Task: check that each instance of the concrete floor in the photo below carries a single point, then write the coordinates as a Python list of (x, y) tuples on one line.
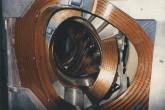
[(151, 9)]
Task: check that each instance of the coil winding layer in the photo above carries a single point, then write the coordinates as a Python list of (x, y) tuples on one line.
[(138, 92), (31, 56)]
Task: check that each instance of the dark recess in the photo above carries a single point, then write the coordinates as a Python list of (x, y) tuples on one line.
[(3, 65)]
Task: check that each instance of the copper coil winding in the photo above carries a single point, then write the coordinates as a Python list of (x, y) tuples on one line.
[(31, 56), (108, 68), (138, 92)]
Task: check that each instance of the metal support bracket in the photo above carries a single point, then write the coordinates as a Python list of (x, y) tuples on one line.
[(15, 8), (83, 4), (24, 99)]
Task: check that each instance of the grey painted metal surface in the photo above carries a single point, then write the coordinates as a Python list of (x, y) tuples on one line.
[(76, 2), (87, 102), (15, 8), (10, 75), (74, 96), (83, 4), (52, 25), (13, 74), (65, 2), (86, 5), (149, 26), (122, 76), (59, 88), (24, 99)]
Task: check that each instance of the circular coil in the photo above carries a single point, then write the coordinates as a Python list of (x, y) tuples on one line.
[(31, 56)]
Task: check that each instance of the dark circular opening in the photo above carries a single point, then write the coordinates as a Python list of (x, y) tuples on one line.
[(76, 48)]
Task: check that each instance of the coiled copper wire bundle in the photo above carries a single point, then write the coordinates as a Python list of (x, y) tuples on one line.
[(32, 63)]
